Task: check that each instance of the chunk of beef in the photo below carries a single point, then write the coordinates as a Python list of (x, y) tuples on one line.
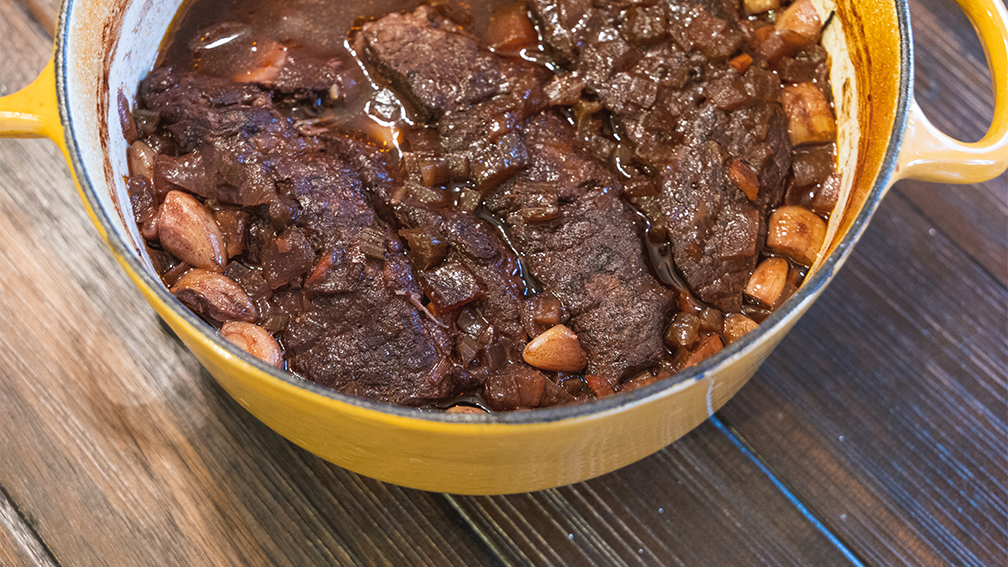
[(716, 37), (229, 134), (478, 98), (569, 25), (690, 135), (713, 227), (374, 341), (525, 83), (194, 107), (430, 62), (563, 23), (470, 242), (331, 205), (521, 96), (484, 138), (742, 112), (645, 25), (590, 255), (335, 282), (758, 135), (362, 326), (707, 26), (288, 256), (379, 171), (302, 73), (607, 68)]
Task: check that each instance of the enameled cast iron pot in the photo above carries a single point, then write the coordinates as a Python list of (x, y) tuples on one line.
[(104, 47)]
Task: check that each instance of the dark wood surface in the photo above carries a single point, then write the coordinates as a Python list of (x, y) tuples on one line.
[(875, 434)]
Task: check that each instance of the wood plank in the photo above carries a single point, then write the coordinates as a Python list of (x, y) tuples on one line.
[(885, 522), (19, 545), (953, 88), (698, 502), (201, 473), (19, 66), (119, 446), (119, 425), (901, 447), (886, 409), (115, 460), (44, 12)]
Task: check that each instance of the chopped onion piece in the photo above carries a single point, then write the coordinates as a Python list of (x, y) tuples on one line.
[(796, 232), (683, 331), (760, 6), (510, 30), (810, 119), (427, 246), (372, 243), (767, 281), (744, 178), (708, 348), (736, 325), (741, 63), (802, 19)]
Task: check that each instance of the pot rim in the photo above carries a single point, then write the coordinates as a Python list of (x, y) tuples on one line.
[(620, 402)]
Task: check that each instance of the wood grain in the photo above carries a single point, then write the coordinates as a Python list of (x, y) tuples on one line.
[(698, 502), (885, 408), (884, 411), (953, 88), (119, 446), (44, 12), (19, 545), (128, 453)]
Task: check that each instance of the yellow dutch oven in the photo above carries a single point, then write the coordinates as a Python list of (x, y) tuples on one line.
[(104, 47)]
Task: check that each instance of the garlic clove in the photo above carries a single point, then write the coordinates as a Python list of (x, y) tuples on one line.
[(557, 349)]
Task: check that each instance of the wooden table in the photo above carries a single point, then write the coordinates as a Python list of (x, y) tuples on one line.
[(876, 434)]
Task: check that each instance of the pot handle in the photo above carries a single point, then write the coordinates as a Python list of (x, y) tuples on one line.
[(930, 155), (32, 112)]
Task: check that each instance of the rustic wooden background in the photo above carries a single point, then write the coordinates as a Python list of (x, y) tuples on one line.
[(876, 434)]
